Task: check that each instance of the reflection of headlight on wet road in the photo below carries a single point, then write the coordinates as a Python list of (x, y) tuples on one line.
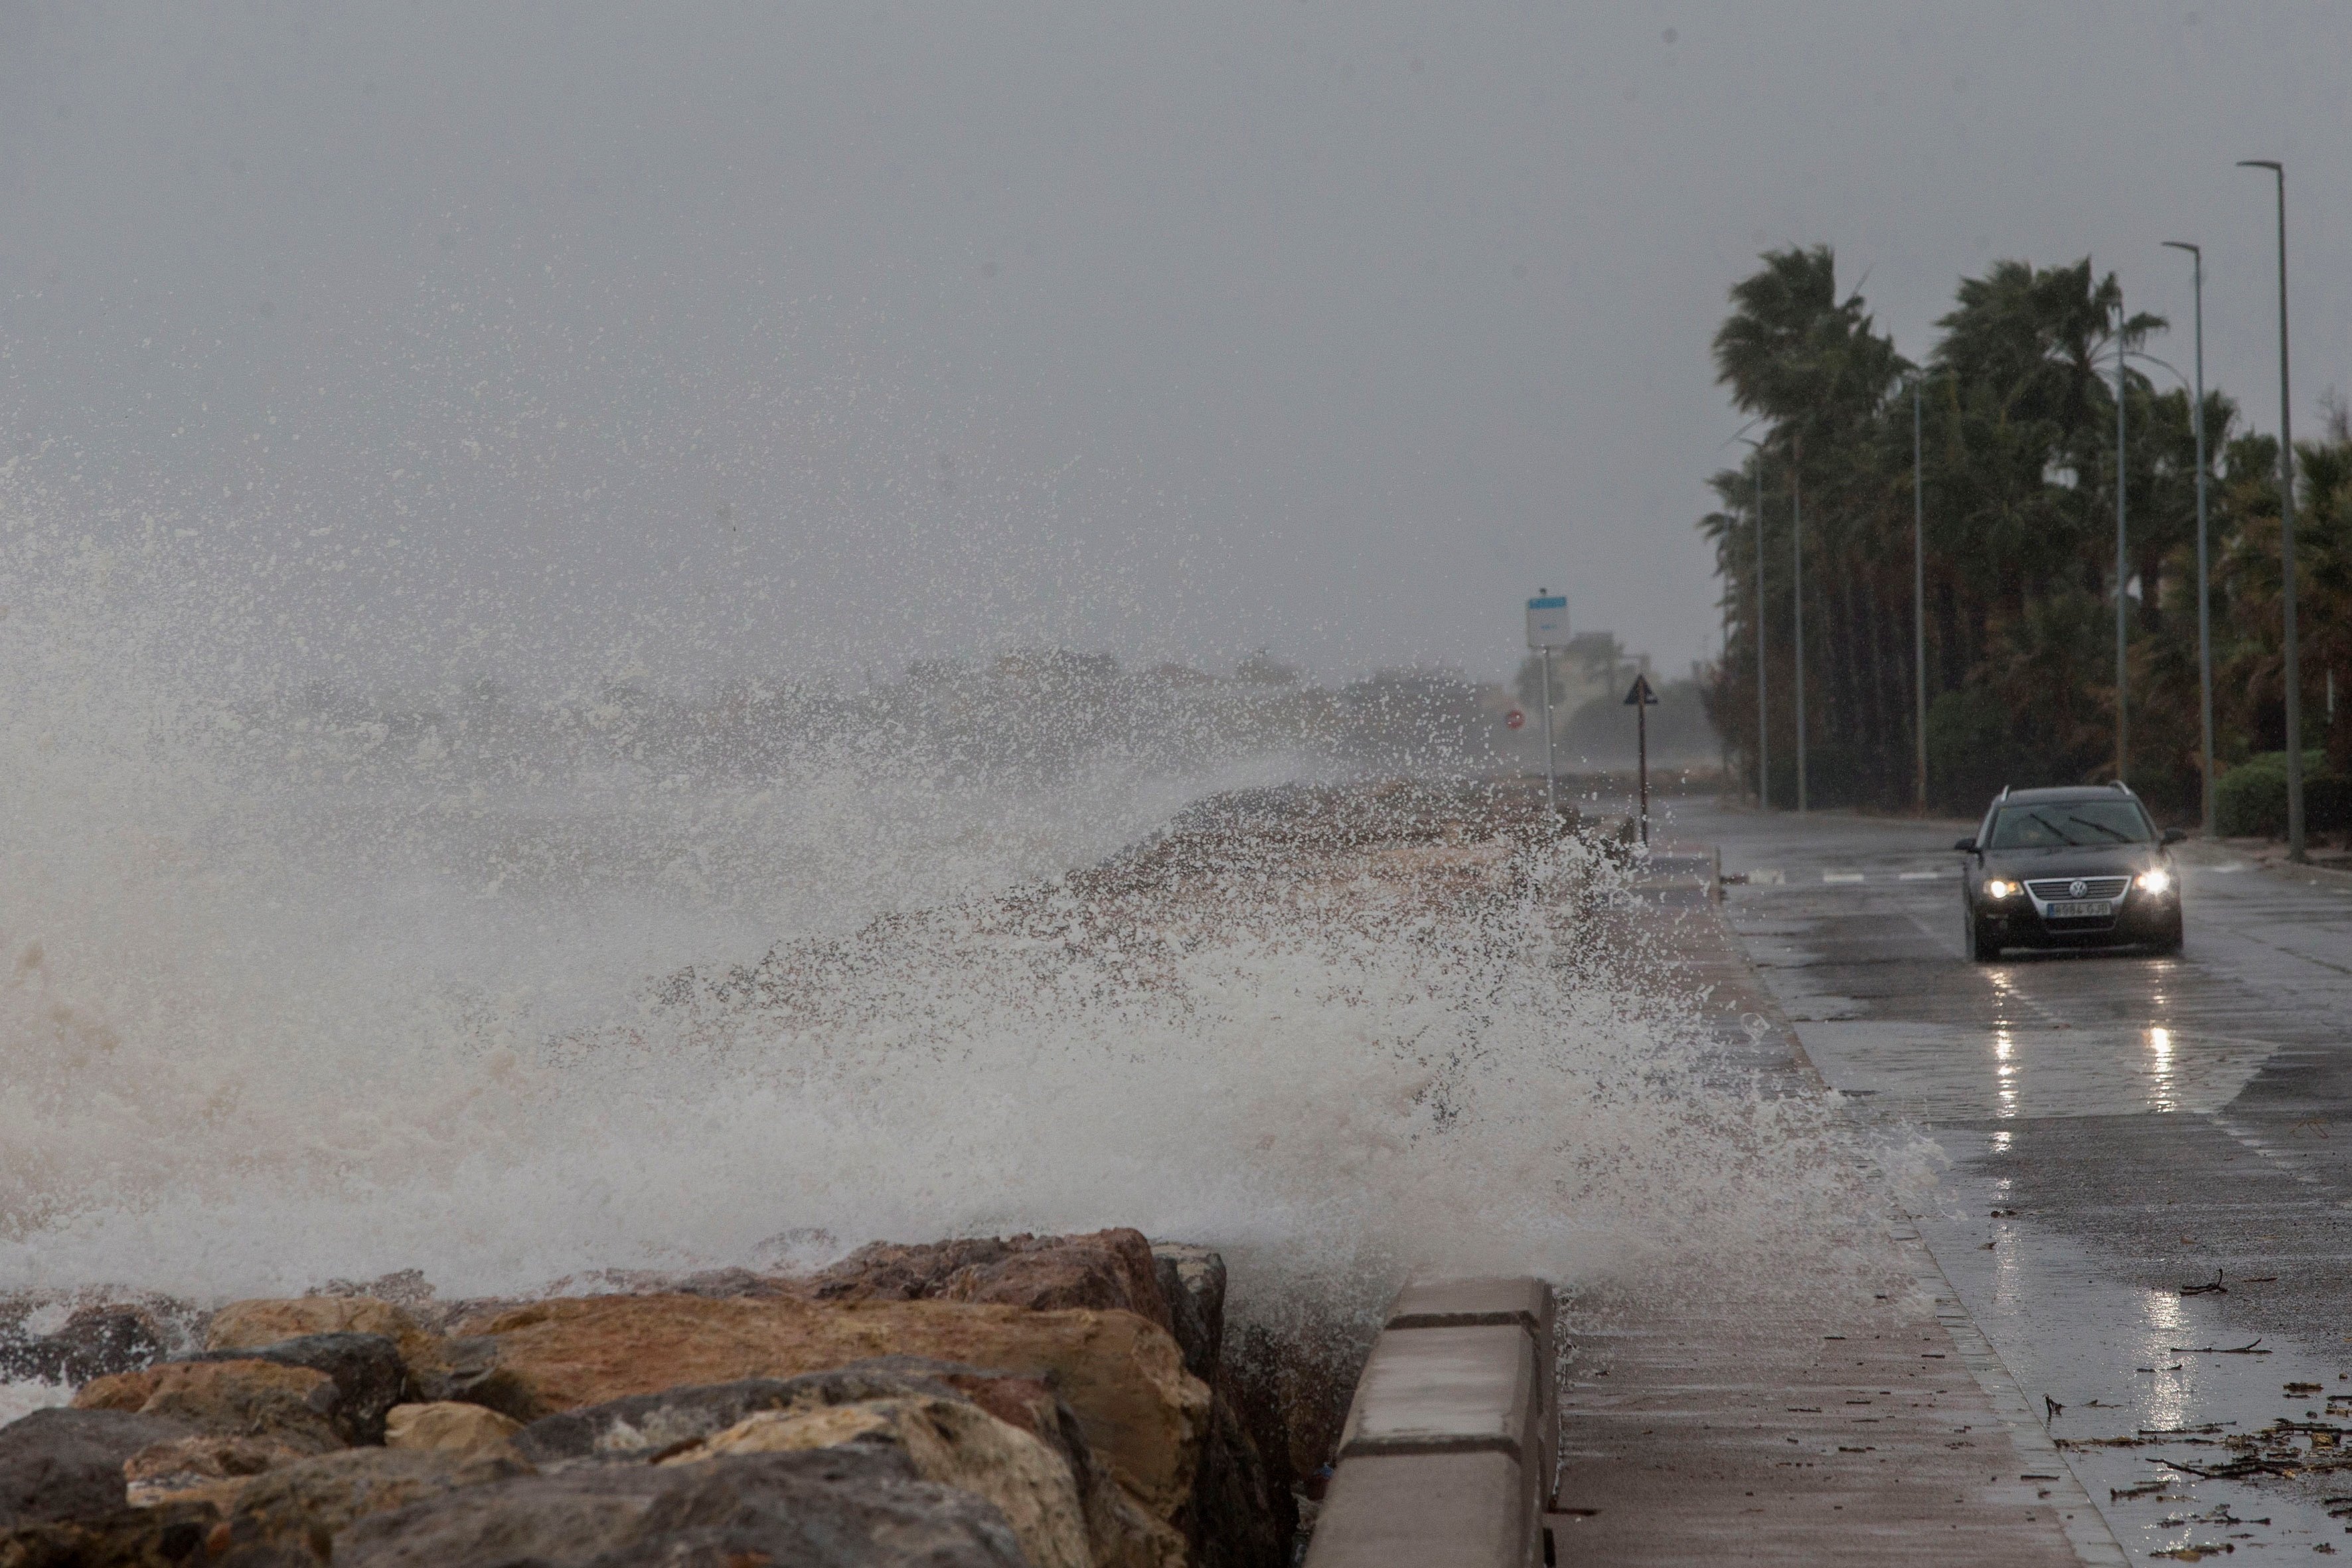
[(1999, 888), (2159, 881)]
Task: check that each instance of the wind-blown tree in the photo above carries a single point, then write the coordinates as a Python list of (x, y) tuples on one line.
[(1816, 373), (2251, 680), (2019, 418)]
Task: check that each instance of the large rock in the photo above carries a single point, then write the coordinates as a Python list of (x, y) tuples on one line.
[(1142, 1412), (450, 1428), (60, 1464), (641, 1424), (306, 1505), (94, 1342), (950, 1441), (294, 1406), (173, 1536), (1192, 1282), (205, 1467), (1107, 1270), (858, 1507), (465, 1371), (1241, 1517), (369, 1376), (1121, 1531), (245, 1325)]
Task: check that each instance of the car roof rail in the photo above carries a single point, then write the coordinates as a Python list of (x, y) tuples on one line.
[(2118, 784), (2003, 794)]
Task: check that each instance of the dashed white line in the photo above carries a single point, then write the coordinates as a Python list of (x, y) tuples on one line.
[(1840, 876)]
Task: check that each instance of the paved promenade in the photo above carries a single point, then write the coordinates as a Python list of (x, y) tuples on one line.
[(1766, 1431)]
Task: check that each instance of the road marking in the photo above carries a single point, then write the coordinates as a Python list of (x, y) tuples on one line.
[(1840, 876), (1923, 876), (1765, 878)]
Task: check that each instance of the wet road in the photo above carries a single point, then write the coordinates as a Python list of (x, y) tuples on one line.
[(2114, 1128)]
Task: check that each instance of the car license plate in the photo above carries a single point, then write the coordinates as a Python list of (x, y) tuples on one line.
[(2082, 909)]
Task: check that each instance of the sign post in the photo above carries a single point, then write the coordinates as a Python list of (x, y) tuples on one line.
[(1640, 699), (1548, 629)]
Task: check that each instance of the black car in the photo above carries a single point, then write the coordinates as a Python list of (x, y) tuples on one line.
[(2069, 867)]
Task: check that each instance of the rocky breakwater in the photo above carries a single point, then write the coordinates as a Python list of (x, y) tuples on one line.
[(1053, 1402)]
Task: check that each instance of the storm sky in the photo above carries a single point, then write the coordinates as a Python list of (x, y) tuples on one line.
[(767, 338)]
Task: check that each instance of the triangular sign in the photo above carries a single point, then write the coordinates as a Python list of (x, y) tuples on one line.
[(1640, 695)]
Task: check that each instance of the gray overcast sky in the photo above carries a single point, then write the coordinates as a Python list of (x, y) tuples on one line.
[(839, 335)]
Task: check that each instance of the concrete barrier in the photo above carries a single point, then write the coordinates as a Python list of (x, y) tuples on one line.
[(1447, 1456)]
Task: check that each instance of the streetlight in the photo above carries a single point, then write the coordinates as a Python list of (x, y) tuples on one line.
[(1919, 594), (2286, 541), (2123, 564), (2204, 599), (1763, 729), (1797, 587), (1763, 743)]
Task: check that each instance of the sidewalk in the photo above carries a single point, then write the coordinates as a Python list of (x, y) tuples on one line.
[(1754, 1431), (2269, 855)]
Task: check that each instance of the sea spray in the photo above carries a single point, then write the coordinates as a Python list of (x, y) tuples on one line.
[(510, 986)]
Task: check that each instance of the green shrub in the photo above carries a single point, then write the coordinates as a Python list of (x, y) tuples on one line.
[(2250, 798)]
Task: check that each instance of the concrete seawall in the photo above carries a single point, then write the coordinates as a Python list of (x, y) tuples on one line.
[(1451, 1443)]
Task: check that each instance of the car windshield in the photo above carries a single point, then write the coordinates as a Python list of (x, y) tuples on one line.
[(2057, 824)]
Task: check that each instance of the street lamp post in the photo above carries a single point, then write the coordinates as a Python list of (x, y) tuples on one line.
[(1763, 732), (1797, 592), (2123, 564), (2204, 595), (1763, 739), (1919, 598), (2294, 693)]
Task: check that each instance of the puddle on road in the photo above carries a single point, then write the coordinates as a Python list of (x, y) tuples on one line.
[(2179, 1445), (1952, 1072)]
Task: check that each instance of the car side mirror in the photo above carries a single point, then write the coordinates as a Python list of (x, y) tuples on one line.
[(2174, 834), (1966, 846)]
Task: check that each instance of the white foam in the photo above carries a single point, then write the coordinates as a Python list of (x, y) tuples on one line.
[(288, 997)]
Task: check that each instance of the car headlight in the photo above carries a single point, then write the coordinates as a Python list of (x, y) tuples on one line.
[(1999, 888), (2157, 880)]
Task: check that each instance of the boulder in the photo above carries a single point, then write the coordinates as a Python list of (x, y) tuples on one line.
[(647, 1424), (1240, 1515), (449, 1428), (1142, 1412), (1192, 1282), (369, 1378), (165, 1537), (203, 1467), (950, 1441), (465, 1371), (93, 1343), (60, 1464), (1107, 1270), (307, 1504), (293, 1406), (1123, 1535), (244, 1325), (1120, 1533), (857, 1507)]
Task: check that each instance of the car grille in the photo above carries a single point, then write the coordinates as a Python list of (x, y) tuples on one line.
[(2055, 888)]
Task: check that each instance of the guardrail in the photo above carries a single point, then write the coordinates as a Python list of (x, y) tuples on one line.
[(1448, 1457)]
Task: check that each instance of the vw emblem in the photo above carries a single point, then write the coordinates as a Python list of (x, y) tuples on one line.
[(2078, 887)]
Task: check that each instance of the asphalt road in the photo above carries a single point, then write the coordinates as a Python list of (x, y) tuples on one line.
[(2098, 1132)]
